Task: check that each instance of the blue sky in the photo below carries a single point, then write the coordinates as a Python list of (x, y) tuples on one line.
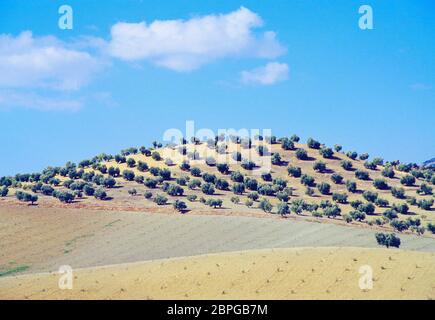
[(300, 67)]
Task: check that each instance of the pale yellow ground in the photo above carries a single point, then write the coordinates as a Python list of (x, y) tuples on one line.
[(311, 273)]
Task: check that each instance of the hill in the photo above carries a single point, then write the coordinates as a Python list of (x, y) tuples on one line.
[(308, 181), (429, 163)]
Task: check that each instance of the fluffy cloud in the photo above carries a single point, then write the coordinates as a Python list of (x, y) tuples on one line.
[(269, 74), (46, 62), (184, 45)]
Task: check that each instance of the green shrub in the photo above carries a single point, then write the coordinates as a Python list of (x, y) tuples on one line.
[(88, 190), (319, 166), (222, 184), (326, 153), (336, 178), (282, 196), (332, 211), (236, 176), (338, 147), (367, 208), (425, 204), (192, 197), (238, 188), (309, 191), (266, 176), (254, 196), (370, 196), (180, 205), (196, 172), (208, 189), (128, 175), (276, 159), (156, 156), (324, 188), (4, 191), (339, 197), (287, 144), (209, 178), (301, 154), (313, 144), (265, 205), (132, 192), (223, 168), (150, 183), (388, 240), (294, 138), (380, 184), (424, 189), (407, 180), (295, 172), (174, 190), (402, 208), (390, 214), (148, 195), (215, 203), (100, 194), (346, 165), (194, 183), (351, 186), (248, 165), (352, 155), (131, 162), (283, 209), (399, 225), (185, 166), (398, 193), (362, 175), (382, 203), (388, 172), (251, 184), (364, 156), (160, 200), (357, 215), (307, 180)]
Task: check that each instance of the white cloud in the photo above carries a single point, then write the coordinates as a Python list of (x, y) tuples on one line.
[(269, 74), (29, 100), (184, 45), (45, 62)]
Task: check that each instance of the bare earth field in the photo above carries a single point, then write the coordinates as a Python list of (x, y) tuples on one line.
[(36, 239), (310, 273)]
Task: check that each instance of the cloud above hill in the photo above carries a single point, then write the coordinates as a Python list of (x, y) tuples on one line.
[(46, 73), (269, 74), (185, 45), (45, 62)]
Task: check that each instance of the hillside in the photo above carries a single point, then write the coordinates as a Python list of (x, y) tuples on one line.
[(306, 181), (311, 273), (429, 163)]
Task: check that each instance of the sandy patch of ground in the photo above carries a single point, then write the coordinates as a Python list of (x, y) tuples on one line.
[(310, 273)]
